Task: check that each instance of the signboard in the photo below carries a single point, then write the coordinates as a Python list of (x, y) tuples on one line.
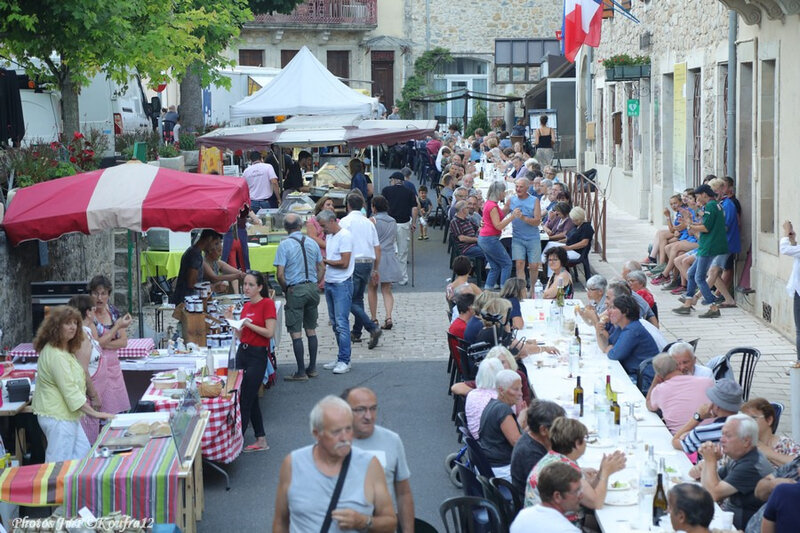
[(633, 107)]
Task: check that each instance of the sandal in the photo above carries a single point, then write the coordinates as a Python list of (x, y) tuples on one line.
[(387, 324), (255, 448)]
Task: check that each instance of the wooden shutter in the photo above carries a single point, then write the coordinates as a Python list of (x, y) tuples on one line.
[(339, 63), (251, 58), (616, 127), (608, 9), (286, 56)]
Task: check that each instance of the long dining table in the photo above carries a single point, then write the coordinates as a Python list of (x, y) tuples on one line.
[(625, 508)]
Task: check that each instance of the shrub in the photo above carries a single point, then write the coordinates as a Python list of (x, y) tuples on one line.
[(478, 120), (167, 150)]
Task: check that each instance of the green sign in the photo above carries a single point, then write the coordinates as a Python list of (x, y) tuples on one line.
[(633, 107)]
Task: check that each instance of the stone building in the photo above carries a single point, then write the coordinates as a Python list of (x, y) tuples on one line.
[(652, 136), (374, 43)]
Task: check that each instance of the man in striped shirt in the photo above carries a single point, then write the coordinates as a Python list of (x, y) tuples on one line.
[(726, 399)]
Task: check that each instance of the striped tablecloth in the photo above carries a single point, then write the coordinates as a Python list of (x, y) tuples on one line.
[(136, 348), (143, 484), (35, 485), (222, 440)]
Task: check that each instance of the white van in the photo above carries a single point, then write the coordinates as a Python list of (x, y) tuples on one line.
[(42, 114), (106, 106)]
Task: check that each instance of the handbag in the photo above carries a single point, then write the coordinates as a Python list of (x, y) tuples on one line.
[(326, 524)]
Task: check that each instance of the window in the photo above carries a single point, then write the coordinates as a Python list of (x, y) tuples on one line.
[(251, 58), (518, 60), (339, 63), (286, 56), (768, 127), (697, 126)]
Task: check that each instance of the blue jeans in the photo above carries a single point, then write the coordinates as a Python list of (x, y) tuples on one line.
[(498, 260), (361, 274), (697, 279), (339, 297), (474, 253)]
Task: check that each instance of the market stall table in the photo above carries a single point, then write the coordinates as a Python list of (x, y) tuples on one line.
[(135, 348), (222, 440), (155, 262)]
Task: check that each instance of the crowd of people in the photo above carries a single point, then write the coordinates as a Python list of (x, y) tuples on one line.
[(740, 459)]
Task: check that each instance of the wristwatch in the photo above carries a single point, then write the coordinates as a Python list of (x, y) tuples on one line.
[(369, 524), (697, 417)]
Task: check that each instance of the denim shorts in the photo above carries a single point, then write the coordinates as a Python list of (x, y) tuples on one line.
[(720, 260), (522, 249)]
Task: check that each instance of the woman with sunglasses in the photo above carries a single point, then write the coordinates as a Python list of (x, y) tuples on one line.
[(260, 317)]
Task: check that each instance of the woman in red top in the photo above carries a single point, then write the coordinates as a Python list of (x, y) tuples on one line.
[(489, 237), (251, 358)]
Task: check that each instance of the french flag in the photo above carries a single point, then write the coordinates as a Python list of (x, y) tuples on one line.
[(582, 23)]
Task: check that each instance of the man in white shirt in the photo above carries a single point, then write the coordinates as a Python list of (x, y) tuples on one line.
[(338, 286), (367, 256), (560, 490), (263, 183), (387, 447), (789, 247), (683, 353)]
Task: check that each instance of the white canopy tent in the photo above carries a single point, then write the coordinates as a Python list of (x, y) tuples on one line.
[(304, 87), (319, 131)]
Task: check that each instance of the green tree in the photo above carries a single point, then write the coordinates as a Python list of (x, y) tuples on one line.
[(478, 120), (217, 37), (67, 42)]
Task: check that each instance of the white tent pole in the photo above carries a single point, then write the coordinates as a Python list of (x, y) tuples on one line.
[(372, 171)]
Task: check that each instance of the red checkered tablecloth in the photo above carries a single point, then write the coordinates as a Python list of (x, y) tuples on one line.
[(136, 348), (222, 440)]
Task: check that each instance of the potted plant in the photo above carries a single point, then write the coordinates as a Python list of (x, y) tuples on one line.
[(188, 147), (624, 67), (170, 157)]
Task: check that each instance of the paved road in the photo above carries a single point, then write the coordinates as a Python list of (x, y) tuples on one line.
[(412, 402)]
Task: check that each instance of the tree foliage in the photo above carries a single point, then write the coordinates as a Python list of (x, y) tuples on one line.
[(417, 83), (478, 120), (69, 41)]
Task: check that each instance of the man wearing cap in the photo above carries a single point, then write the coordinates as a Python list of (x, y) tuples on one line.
[(403, 209), (726, 398), (712, 249), (407, 176)]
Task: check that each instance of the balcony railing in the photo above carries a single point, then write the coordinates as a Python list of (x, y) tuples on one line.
[(348, 12)]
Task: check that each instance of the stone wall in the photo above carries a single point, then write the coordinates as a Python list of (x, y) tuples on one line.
[(691, 32), (71, 258)]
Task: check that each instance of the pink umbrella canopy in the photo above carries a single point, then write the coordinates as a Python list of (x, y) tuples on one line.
[(132, 196)]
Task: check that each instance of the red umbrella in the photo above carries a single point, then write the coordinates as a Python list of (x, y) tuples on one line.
[(133, 196)]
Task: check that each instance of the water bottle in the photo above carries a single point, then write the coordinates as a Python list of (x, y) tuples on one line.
[(574, 357), (538, 290), (649, 475)]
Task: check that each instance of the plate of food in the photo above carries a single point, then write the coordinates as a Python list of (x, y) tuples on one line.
[(163, 376), (622, 498), (619, 485)]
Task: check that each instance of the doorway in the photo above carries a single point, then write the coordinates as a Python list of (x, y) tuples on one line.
[(383, 76), (455, 108)]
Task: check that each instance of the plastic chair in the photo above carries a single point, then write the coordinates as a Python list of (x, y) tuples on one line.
[(470, 483), (421, 526), (503, 498), (511, 494), (582, 260), (747, 369), (778, 411), (478, 459), (470, 514), (643, 379), (454, 366)]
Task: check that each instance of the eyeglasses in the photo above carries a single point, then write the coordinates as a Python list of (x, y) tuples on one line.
[(362, 409)]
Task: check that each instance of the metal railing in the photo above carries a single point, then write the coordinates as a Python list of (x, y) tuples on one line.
[(586, 193), (359, 12)]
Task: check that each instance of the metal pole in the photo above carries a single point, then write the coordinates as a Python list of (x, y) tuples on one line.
[(412, 254), (733, 23), (139, 285)]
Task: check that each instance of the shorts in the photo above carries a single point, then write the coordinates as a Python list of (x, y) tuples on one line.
[(522, 249), (730, 262), (720, 260), (423, 221), (301, 311)]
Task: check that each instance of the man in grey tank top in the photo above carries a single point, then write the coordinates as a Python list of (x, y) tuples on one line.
[(386, 446), (309, 476)]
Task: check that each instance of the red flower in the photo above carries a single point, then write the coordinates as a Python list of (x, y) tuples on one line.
[(78, 135), (73, 159)]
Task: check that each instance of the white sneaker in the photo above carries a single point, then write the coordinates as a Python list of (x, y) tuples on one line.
[(341, 368), (331, 365)]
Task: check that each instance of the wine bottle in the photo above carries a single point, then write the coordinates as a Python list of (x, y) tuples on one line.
[(560, 293), (659, 501), (577, 395), (615, 408), (608, 387)]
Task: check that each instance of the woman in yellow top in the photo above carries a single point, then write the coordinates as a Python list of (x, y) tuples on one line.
[(59, 400)]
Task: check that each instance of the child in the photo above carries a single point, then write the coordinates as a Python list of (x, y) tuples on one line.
[(424, 210)]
